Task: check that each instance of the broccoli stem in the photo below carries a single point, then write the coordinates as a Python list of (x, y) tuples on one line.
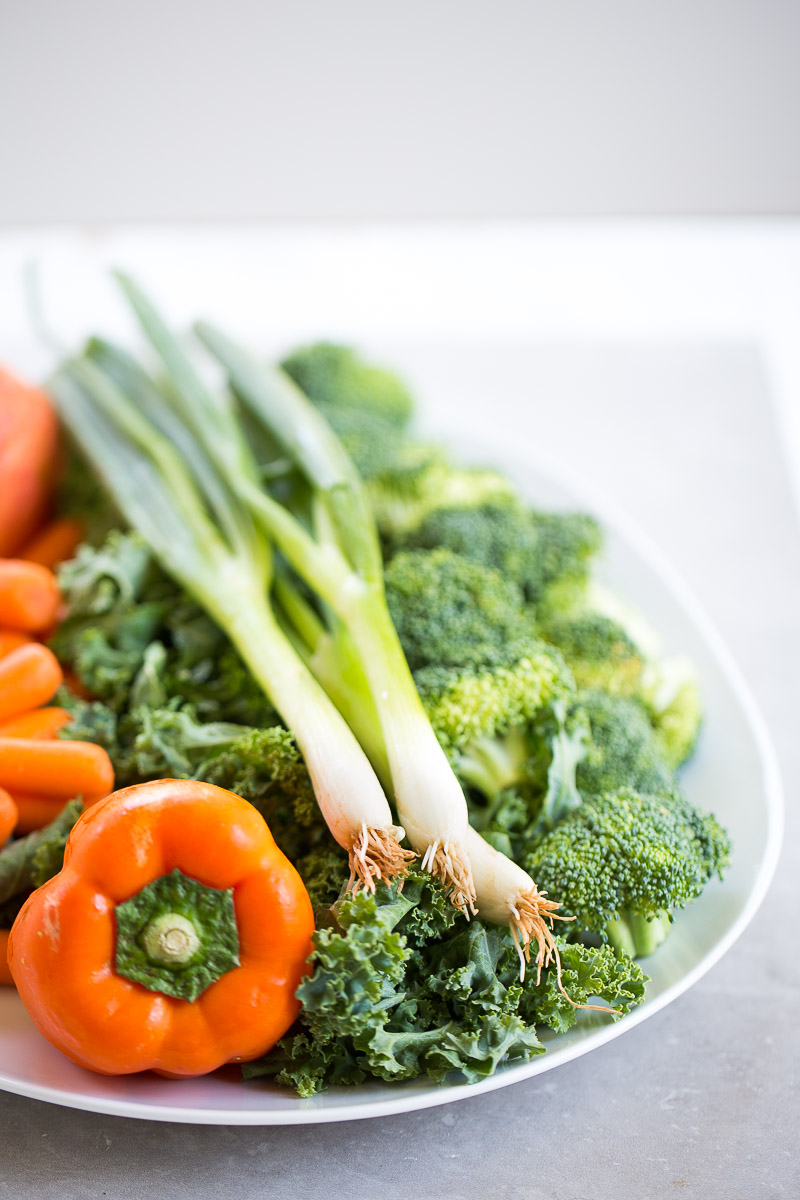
[(492, 764), (638, 936)]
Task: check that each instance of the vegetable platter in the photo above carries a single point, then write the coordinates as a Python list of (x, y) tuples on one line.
[(511, 858)]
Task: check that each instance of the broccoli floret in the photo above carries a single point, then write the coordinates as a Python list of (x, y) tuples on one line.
[(503, 725), (368, 407), (622, 862), (335, 377), (496, 696), (450, 611), (599, 652), (546, 554), (422, 480), (672, 697), (624, 750), (490, 700)]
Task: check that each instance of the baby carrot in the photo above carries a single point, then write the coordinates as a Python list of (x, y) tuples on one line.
[(5, 973), (29, 677), (28, 450), (55, 768), (34, 812), (11, 639), (29, 596), (38, 723), (8, 816), (74, 685), (55, 543)]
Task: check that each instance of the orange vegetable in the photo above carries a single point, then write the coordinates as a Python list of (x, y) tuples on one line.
[(55, 543), (11, 639), (55, 768), (39, 723), (5, 970), (74, 685), (8, 816), (28, 450), (29, 676), (29, 596), (173, 939), (34, 812)]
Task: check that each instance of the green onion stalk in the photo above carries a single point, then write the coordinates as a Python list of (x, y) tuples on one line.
[(172, 492), (340, 559)]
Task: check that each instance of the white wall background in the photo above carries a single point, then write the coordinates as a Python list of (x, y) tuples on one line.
[(346, 109)]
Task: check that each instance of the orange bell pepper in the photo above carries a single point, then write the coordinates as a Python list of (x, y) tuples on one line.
[(173, 939), (5, 973)]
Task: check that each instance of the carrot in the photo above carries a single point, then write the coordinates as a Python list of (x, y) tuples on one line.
[(38, 723), (8, 816), (55, 543), (28, 449), (29, 676), (5, 973), (34, 812), (55, 768), (74, 685), (29, 596), (11, 639)]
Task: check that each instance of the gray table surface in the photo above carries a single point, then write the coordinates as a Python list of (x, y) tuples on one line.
[(699, 1101)]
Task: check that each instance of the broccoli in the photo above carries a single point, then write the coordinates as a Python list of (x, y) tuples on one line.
[(624, 750), (501, 716), (422, 480), (546, 554), (672, 697), (599, 652), (504, 725), (368, 407), (450, 611), (622, 862)]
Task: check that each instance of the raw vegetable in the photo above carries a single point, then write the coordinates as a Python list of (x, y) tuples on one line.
[(28, 862), (204, 537), (40, 723), (35, 811), (29, 677), (5, 971), (29, 596), (624, 861), (173, 939), (12, 639), (8, 816), (54, 544), (28, 447), (341, 561), (400, 983), (404, 986), (59, 769)]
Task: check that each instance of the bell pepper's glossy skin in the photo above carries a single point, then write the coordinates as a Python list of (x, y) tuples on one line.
[(62, 945)]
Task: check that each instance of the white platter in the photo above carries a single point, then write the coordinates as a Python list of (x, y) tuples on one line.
[(734, 774)]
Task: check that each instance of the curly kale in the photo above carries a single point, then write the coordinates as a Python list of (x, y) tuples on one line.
[(28, 862), (133, 637), (402, 986)]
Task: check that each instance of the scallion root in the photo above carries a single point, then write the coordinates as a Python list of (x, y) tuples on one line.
[(446, 861), (532, 920), (376, 854)]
